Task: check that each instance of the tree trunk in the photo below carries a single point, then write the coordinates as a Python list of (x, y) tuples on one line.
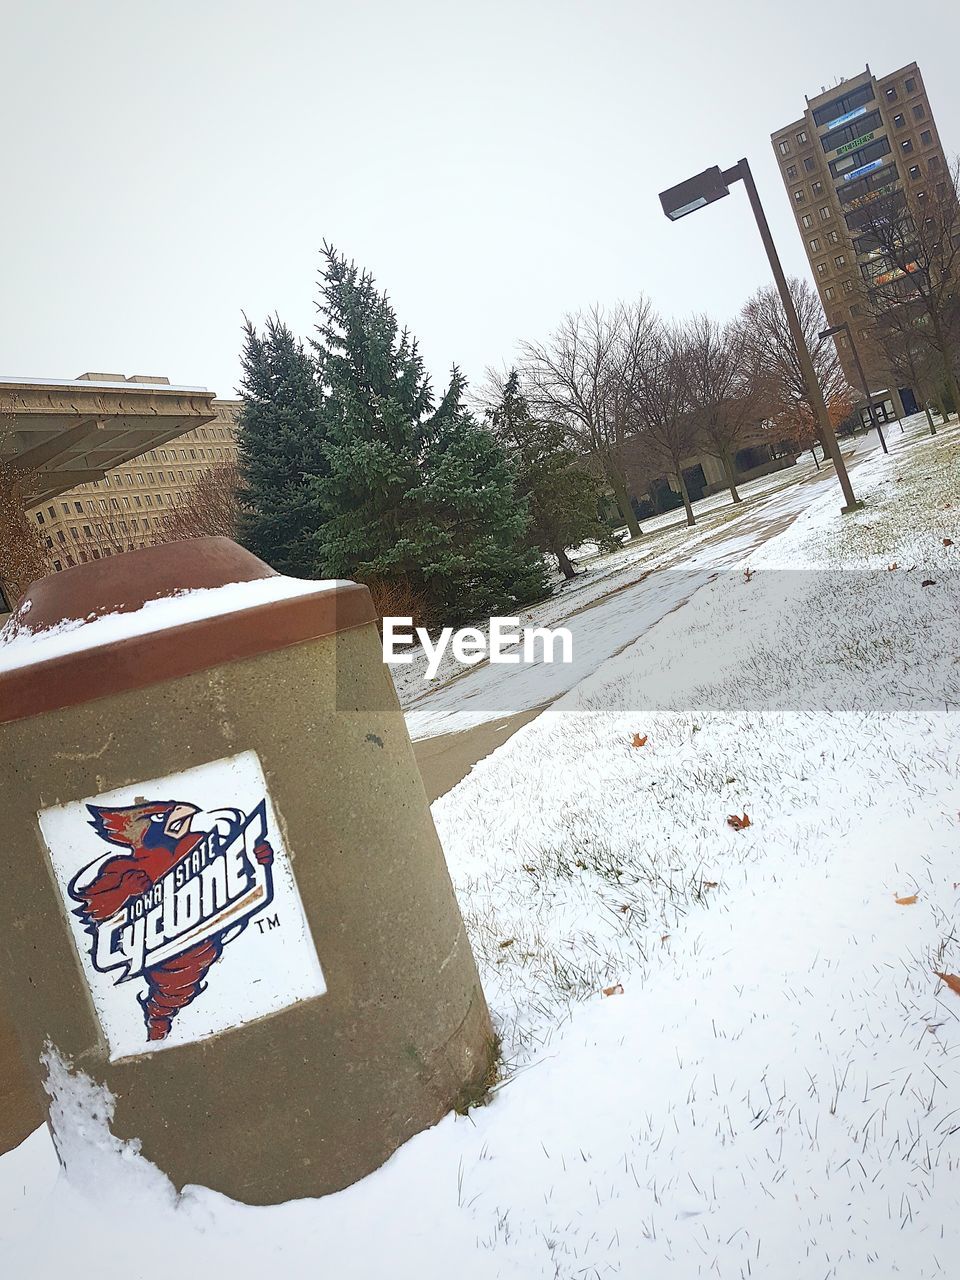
[(566, 568), (813, 450), (926, 410), (954, 390), (731, 477), (618, 484), (686, 497)]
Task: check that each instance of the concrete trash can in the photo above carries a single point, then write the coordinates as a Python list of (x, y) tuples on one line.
[(224, 897)]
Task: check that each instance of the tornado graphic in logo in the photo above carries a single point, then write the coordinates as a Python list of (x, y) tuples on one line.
[(185, 885)]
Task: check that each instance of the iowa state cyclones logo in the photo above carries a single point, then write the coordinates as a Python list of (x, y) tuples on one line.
[(168, 905), (184, 911)]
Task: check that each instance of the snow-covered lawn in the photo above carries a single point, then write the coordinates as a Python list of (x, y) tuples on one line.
[(776, 1090)]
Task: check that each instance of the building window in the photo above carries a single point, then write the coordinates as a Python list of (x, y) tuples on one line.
[(78, 506), (829, 293), (906, 146), (918, 111), (848, 286), (136, 498), (926, 137), (75, 534), (933, 163), (809, 163), (57, 565), (801, 138), (52, 512), (88, 531), (891, 93), (65, 508), (118, 479), (193, 454), (899, 121), (791, 173), (834, 237), (910, 85), (799, 196), (855, 309), (839, 261), (148, 500), (61, 537), (149, 477), (821, 268), (914, 171), (818, 188), (825, 212), (783, 147), (40, 519)]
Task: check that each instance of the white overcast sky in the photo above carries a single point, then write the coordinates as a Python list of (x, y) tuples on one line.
[(170, 163)]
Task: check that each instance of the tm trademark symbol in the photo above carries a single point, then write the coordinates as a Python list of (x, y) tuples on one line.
[(272, 922)]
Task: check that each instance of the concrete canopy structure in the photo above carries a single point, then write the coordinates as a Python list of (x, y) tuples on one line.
[(61, 433)]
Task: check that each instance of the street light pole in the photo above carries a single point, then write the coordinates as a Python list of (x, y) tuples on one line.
[(703, 189), (828, 435), (843, 326)]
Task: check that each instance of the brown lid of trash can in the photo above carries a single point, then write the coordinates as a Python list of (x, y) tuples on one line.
[(123, 584)]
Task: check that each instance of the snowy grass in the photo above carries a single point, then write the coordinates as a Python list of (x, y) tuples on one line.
[(775, 1091)]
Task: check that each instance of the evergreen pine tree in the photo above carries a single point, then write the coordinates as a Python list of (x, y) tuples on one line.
[(281, 441), (414, 492), (563, 497)]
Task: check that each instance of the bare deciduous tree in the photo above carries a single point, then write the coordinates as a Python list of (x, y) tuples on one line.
[(210, 508), (665, 423), (724, 386), (585, 376), (778, 364), (913, 235), (23, 558)]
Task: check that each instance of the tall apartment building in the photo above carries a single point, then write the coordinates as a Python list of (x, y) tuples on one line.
[(863, 138), (139, 444)]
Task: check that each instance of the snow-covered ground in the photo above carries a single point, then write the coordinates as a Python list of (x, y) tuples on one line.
[(613, 601), (774, 1091)]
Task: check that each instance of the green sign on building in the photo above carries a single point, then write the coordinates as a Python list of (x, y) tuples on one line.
[(857, 142)]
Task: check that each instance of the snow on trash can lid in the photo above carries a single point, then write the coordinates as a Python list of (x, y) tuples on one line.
[(145, 616)]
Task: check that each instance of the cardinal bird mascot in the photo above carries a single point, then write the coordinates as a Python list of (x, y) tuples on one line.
[(155, 838)]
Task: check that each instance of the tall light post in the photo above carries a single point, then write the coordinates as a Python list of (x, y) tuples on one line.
[(714, 184), (843, 327)]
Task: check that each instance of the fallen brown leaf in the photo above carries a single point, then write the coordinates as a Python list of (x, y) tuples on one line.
[(891, 567), (639, 741), (747, 575), (615, 990), (509, 943), (738, 823), (906, 902), (929, 582), (952, 981), (948, 542), (710, 884)]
